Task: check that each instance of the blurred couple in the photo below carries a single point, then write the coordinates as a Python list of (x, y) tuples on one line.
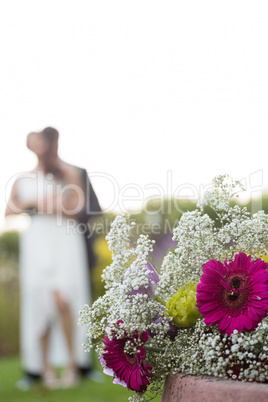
[(55, 253)]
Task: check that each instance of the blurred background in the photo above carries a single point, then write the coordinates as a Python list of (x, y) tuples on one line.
[(153, 98)]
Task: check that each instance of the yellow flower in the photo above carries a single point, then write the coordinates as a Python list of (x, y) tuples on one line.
[(182, 306), (265, 258), (262, 257)]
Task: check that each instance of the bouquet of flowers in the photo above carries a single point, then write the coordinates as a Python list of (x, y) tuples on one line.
[(204, 311)]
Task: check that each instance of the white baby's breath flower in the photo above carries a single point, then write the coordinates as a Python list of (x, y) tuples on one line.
[(215, 230)]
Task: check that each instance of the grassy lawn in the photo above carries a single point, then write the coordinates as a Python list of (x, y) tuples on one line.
[(87, 391)]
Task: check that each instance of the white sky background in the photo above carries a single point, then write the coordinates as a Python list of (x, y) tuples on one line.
[(136, 88)]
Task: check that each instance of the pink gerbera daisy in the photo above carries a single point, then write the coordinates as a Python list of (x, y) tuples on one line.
[(234, 294), (128, 369)]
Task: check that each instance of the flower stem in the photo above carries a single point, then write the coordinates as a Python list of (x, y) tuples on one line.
[(152, 349), (157, 298)]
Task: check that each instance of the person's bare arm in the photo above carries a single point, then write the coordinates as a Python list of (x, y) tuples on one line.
[(15, 205)]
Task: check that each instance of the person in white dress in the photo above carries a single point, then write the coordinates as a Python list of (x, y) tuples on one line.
[(54, 273)]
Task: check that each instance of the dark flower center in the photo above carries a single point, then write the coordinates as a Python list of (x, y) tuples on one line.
[(236, 283), (235, 293), (130, 358), (232, 297)]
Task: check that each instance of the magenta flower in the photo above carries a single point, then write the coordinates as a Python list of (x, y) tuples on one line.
[(109, 371), (234, 294), (128, 369)]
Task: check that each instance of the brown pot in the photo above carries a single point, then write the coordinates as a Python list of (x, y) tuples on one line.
[(187, 388)]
